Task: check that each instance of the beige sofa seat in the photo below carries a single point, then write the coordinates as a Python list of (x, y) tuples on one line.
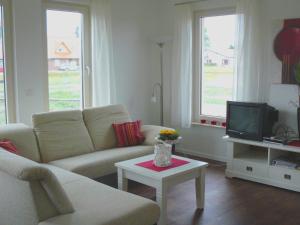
[(101, 163), (71, 144), (99, 204)]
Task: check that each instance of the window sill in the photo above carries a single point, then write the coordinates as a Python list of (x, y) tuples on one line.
[(208, 125), (211, 121)]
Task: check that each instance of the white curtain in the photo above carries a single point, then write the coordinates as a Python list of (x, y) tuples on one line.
[(102, 54), (249, 48), (181, 83)]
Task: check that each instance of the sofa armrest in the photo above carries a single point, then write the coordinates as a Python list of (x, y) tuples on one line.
[(34, 173), (19, 167), (150, 132), (23, 138)]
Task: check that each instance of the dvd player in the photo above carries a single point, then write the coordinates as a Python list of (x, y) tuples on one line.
[(276, 140)]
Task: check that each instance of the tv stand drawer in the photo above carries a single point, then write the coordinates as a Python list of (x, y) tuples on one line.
[(285, 175), (250, 168)]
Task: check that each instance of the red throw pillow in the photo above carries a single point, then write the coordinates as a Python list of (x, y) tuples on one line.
[(9, 146), (129, 133)]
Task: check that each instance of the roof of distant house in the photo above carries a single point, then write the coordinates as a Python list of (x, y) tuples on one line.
[(64, 48), (227, 53)]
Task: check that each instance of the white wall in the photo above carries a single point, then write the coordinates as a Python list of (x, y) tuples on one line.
[(134, 31), (30, 77), (207, 141)]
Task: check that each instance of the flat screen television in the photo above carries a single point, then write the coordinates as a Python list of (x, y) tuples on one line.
[(251, 121)]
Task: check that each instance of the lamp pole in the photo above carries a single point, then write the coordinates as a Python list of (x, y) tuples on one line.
[(161, 46)]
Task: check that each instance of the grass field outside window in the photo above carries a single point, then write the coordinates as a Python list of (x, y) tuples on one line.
[(64, 90), (218, 88)]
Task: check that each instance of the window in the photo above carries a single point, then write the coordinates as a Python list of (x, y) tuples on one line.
[(6, 75), (68, 56), (215, 62)]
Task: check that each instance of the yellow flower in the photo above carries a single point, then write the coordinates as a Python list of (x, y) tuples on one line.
[(167, 132)]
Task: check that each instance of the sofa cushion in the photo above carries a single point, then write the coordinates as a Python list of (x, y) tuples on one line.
[(99, 123), (129, 133), (9, 146), (61, 134), (23, 138), (99, 204), (101, 163)]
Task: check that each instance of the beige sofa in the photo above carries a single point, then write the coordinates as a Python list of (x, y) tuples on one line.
[(51, 183)]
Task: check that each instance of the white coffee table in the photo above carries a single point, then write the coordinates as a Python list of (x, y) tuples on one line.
[(161, 181)]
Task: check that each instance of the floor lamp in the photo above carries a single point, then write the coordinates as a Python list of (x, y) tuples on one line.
[(160, 85)]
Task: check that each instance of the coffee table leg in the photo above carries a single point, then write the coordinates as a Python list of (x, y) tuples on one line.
[(200, 189), (122, 181), (161, 198)]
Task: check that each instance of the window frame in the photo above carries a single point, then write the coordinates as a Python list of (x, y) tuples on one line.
[(9, 86), (86, 47), (198, 63)]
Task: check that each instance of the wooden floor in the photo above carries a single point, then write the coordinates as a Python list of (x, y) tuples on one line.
[(227, 201)]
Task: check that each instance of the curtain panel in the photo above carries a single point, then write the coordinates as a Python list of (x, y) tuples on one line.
[(102, 54), (181, 81), (249, 47)]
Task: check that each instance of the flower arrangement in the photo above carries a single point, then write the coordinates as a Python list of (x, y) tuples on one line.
[(168, 135), (166, 140)]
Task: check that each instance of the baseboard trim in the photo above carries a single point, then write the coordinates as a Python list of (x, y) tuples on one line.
[(200, 154)]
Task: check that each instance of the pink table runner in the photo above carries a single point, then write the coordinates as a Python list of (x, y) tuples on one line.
[(149, 165)]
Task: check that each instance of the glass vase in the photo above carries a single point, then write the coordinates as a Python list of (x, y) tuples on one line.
[(162, 155)]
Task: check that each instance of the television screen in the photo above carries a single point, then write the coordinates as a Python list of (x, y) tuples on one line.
[(244, 119)]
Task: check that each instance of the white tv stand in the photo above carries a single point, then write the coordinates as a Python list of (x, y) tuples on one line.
[(251, 160)]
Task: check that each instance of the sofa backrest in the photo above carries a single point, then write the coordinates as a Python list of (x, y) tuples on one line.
[(99, 124), (24, 138), (30, 193), (61, 134)]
